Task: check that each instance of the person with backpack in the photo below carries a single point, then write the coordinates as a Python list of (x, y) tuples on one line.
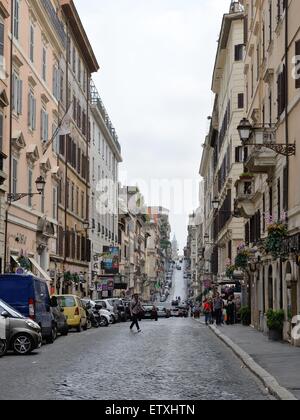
[(136, 309)]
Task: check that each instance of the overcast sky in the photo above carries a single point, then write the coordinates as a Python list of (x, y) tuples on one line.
[(156, 59)]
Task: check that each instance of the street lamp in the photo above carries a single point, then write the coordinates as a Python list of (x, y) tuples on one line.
[(215, 203), (245, 129), (40, 186), (86, 225)]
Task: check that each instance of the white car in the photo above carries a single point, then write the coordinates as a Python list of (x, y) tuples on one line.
[(105, 303), (107, 319)]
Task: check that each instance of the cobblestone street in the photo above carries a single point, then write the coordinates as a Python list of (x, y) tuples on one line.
[(171, 359)]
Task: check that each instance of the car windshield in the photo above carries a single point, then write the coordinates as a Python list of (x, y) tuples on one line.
[(4, 307), (66, 301), (160, 308)]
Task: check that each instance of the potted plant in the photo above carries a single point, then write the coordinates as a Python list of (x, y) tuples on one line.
[(276, 234), (275, 322), (246, 176), (245, 314)]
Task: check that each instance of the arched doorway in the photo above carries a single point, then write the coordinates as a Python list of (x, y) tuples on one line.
[(292, 292), (270, 288)]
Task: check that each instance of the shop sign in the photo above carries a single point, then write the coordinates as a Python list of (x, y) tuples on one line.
[(111, 260)]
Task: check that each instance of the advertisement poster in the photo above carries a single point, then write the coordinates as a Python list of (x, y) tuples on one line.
[(110, 263)]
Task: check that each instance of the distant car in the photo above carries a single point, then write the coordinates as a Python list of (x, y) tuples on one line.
[(175, 312), (175, 303), (147, 311), (23, 335), (183, 311), (60, 319), (163, 298), (163, 312)]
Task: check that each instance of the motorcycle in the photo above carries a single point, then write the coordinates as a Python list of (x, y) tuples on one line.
[(103, 317), (92, 317)]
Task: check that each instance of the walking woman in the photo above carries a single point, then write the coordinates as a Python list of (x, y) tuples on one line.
[(136, 310)]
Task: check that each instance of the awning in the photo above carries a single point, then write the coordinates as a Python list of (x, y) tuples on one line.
[(15, 259), (40, 270)]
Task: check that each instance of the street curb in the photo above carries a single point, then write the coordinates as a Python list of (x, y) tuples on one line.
[(267, 379)]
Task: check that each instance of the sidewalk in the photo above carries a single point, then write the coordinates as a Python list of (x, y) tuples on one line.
[(276, 364)]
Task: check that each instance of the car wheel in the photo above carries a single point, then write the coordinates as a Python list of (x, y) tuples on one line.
[(53, 336), (88, 324), (22, 344), (104, 322), (114, 321), (3, 347), (65, 331)]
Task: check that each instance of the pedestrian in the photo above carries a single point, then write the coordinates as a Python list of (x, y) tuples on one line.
[(230, 312), (136, 310), (207, 309), (154, 313), (218, 309)]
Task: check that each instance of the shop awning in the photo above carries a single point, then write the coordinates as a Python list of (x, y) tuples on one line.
[(40, 270)]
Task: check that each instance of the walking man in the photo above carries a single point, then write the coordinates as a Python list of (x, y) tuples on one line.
[(135, 309), (218, 309)]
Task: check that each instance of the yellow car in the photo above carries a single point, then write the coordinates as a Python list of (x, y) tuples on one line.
[(74, 311)]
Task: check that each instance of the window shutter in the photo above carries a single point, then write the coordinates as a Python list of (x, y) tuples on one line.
[(246, 29), (240, 100), (20, 96)]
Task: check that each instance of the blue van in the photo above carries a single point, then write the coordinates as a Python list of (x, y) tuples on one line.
[(29, 295)]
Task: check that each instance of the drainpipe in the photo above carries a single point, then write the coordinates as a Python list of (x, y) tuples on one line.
[(10, 135), (287, 98)]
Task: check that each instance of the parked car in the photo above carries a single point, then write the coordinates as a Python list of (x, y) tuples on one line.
[(126, 304), (60, 319), (183, 311), (147, 311), (175, 303), (23, 335), (163, 312), (175, 312), (121, 309), (74, 311), (110, 307), (29, 295), (163, 298)]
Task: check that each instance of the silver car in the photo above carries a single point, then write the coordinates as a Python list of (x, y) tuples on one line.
[(22, 335)]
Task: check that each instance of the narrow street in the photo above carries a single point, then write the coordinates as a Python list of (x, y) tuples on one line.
[(172, 359)]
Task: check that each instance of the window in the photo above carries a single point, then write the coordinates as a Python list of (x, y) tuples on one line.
[(285, 202), (1, 134), (79, 70), (14, 176), (279, 198), (54, 203), (297, 64), (82, 205), (44, 126), (281, 91), (2, 41), (31, 43), (239, 52), (16, 18), (31, 111), (17, 94), (55, 135), (240, 101), (44, 64), (57, 88), (74, 60), (30, 178)]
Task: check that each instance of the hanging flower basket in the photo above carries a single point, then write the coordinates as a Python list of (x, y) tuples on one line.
[(230, 269), (274, 242), (24, 263), (241, 260)]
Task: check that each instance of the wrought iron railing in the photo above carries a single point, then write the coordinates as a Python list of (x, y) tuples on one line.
[(97, 101)]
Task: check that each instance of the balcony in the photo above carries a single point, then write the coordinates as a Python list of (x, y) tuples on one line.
[(261, 157), (245, 194)]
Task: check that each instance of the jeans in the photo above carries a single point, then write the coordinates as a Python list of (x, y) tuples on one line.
[(208, 318), (219, 314), (135, 321)]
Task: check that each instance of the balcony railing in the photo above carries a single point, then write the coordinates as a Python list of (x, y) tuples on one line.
[(97, 101), (56, 22)]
